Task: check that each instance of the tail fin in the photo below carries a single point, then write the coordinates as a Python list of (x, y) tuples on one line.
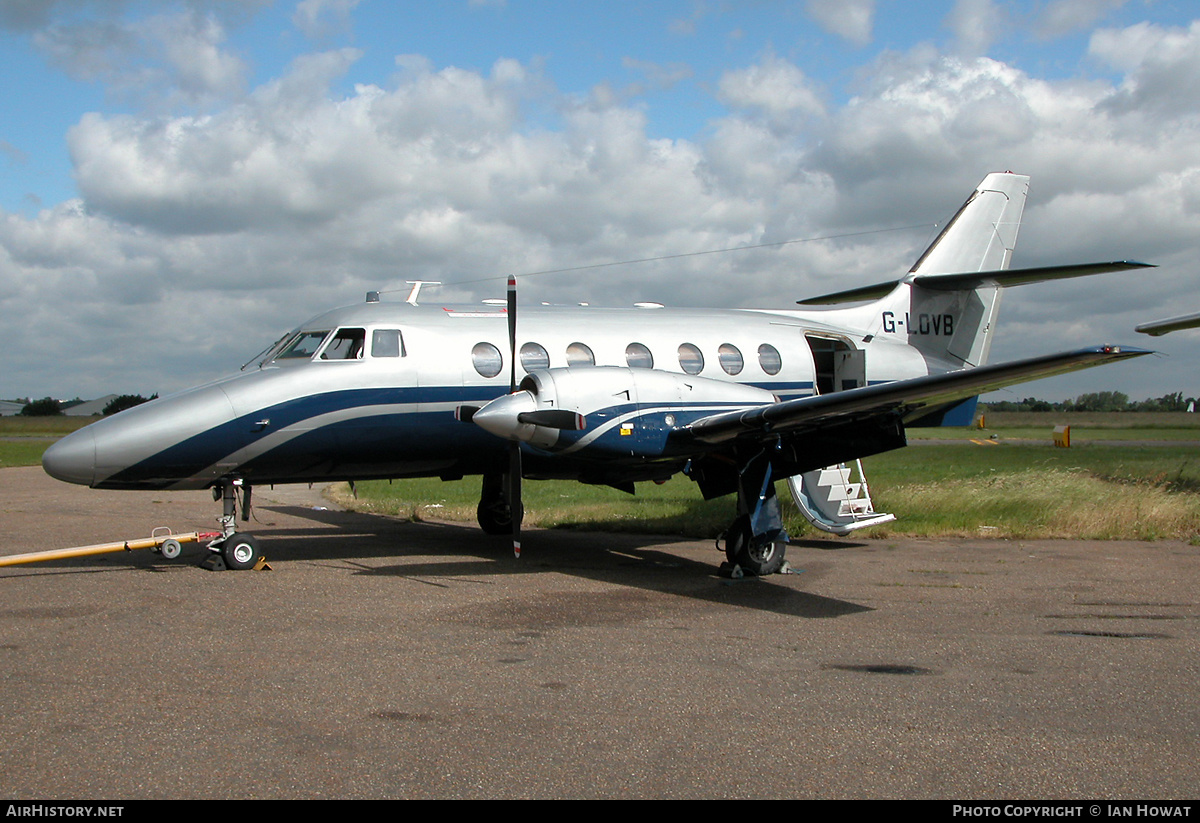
[(946, 305), (929, 309), (956, 326), (982, 235)]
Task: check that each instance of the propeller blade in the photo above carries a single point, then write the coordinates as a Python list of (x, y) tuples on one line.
[(514, 450), (464, 414), (554, 419), (512, 333)]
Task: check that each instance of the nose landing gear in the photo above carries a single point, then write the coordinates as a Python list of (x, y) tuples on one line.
[(234, 550)]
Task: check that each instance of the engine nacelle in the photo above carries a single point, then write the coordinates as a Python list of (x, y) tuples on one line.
[(617, 411)]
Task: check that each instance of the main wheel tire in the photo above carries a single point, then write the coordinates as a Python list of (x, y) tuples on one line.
[(765, 559), (494, 518), (240, 552), (759, 560), (737, 537)]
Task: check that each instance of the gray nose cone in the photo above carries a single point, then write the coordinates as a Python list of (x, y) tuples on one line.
[(72, 459), (500, 416)]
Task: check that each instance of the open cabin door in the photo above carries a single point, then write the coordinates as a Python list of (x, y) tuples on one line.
[(838, 366), (836, 498)]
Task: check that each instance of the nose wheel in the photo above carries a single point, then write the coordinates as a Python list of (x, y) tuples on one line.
[(234, 550), (240, 552)]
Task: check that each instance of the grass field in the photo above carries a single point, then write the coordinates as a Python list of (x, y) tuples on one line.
[(1017, 490), (23, 439), (1085, 426), (55, 426)]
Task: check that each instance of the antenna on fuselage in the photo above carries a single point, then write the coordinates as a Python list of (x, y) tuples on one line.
[(416, 289)]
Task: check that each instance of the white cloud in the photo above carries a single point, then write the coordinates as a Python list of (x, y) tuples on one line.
[(658, 77), (852, 20), (1062, 17), (320, 19), (210, 234), (976, 25), (775, 88), (169, 60), (1162, 67)]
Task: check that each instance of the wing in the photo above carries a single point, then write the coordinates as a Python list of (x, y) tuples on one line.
[(906, 399), (1160, 327)]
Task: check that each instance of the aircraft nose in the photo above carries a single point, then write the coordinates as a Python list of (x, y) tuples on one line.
[(73, 458)]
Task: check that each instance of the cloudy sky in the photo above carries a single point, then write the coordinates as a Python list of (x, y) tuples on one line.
[(181, 182)]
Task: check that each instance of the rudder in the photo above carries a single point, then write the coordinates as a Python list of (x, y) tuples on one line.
[(980, 237)]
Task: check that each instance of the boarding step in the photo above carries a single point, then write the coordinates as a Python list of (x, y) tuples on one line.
[(836, 498)]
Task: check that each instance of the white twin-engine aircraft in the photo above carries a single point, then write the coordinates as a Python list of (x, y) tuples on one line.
[(733, 398)]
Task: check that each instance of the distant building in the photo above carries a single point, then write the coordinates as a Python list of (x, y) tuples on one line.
[(91, 408)]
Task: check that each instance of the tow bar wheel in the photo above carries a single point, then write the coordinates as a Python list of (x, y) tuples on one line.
[(170, 548)]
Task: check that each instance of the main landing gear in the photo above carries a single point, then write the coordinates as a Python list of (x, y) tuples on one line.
[(233, 550), (755, 542), (494, 514)]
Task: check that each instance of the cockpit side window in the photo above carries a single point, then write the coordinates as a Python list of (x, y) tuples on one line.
[(387, 343), (303, 346), (346, 344)]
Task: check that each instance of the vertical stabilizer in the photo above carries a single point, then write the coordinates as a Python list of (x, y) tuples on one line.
[(946, 306), (982, 235), (939, 307)]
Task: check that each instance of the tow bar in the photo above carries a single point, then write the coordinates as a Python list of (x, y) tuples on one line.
[(161, 541)]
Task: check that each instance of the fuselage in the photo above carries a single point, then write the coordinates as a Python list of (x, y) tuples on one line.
[(370, 390)]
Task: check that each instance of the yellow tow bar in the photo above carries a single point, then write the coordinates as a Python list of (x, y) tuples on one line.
[(166, 543)]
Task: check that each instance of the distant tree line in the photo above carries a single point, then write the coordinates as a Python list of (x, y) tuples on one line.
[(126, 401), (48, 406), (1104, 401)]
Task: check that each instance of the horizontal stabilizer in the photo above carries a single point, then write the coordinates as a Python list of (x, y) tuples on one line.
[(975, 279), (852, 295), (1021, 277), (909, 399), (1159, 327)]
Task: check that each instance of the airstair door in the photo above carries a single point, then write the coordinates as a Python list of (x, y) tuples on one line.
[(836, 499)]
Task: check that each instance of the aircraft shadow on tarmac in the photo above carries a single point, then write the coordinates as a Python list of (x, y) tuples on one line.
[(625, 559), (442, 554)]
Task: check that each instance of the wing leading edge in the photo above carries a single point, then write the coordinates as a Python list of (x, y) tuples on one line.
[(1161, 327), (909, 399)]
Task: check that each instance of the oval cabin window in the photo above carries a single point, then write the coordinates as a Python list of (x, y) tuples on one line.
[(486, 359), (580, 355), (534, 356), (690, 359), (768, 358), (730, 357), (638, 356)]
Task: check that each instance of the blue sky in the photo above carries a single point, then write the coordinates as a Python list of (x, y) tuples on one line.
[(275, 158)]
